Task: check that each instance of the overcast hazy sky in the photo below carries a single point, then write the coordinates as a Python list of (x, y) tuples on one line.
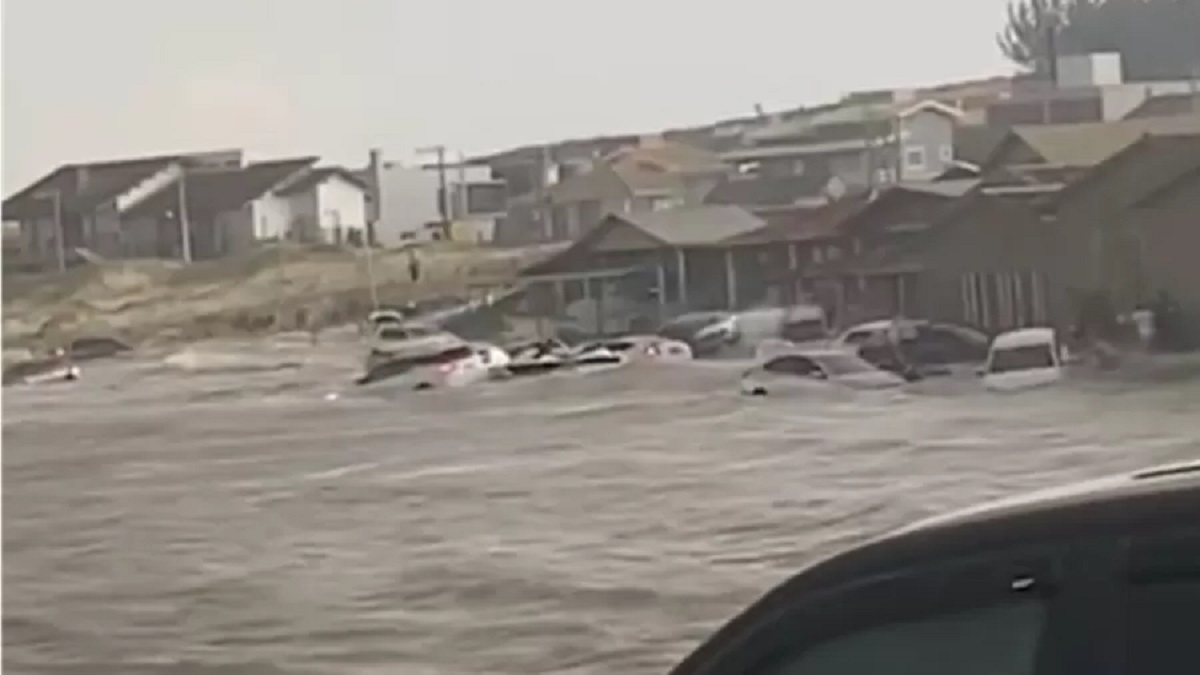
[(90, 79)]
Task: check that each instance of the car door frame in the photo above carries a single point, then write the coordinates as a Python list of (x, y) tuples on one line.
[(1077, 577)]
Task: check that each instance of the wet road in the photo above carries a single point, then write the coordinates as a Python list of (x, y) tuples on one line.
[(214, 523)]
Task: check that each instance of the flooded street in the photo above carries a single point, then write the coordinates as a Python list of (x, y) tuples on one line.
[(219, 523)]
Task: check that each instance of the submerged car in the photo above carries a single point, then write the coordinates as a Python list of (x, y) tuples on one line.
[(928, 348), (815, 370), (537, 357), (741, 333), (454, 367), (1023, 359), (631, 349), (1099, 577)]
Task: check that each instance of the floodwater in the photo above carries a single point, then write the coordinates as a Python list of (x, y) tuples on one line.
[(163, 522)]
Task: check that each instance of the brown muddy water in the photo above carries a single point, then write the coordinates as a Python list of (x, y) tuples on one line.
[(166, 522)]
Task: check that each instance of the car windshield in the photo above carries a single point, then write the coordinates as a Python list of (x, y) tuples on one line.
[(844, 364), (1027, 357)]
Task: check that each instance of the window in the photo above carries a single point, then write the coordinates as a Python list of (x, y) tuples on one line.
[(792, 365), (1030, 357), (914, 158), (997, 640)]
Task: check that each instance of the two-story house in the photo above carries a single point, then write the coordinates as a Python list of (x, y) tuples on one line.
[(862, 145), (653, 176)]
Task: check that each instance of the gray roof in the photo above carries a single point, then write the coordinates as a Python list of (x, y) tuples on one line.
[(1089, 144), (694, 225)]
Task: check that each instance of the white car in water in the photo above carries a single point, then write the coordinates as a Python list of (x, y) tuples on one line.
[(454, 367), (815, 370), (632, 349), (1023, 359)]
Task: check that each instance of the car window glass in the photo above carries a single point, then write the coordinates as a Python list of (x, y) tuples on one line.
[(858, 337), (791, 365), (997, 640), (1021, 358)]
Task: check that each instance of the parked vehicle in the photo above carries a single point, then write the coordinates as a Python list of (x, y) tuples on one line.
[(1100, 577), (924, 348), (454, 367), (537, 357), (1023, 359), (741, 333), (812, 370), (55, 367), (632, 349)]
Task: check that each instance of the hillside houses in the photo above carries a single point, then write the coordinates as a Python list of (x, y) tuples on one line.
[(142, 207)]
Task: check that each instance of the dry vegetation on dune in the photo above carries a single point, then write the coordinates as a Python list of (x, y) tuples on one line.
[(278, 288)]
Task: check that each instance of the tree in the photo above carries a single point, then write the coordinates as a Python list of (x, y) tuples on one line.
[(1157, 39)]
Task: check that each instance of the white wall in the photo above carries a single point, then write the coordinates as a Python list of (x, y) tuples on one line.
[(342, 204), (409, 198), (272, 216)]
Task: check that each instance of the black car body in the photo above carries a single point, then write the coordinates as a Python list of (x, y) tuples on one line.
[(1098, 579)]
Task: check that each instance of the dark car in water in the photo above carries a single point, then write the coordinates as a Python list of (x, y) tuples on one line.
[(1100, 578)]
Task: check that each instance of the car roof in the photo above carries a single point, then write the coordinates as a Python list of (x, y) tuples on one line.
[(1113, 506), (1025, 337)]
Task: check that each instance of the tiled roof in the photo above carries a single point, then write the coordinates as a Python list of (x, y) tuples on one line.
[(215, 191)]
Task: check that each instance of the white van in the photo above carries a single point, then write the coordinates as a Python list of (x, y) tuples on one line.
[(1023, 359)]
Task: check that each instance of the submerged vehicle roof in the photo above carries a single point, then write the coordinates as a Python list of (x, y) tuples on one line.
[(1024, 337), (1113, 506)]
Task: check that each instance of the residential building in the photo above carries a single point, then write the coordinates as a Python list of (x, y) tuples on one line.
[(653, 176), (143, 207), (1089, 88), (227, 209), (81, 205), (861, 145), (326, 204)]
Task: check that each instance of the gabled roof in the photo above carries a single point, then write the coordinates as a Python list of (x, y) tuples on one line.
[(1167, 105), (661, 168), (694, 225), (320, 175), (1162, 159), (807, 224), (101, 181), (85, 185), (211, 191), (1083, 145)]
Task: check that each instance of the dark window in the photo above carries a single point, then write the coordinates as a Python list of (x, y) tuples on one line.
[(997, 640), (792, 365), (1021, 358)]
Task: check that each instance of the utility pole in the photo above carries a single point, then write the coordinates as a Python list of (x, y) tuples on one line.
[(443, 203), (60, 246), (185, 226)]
